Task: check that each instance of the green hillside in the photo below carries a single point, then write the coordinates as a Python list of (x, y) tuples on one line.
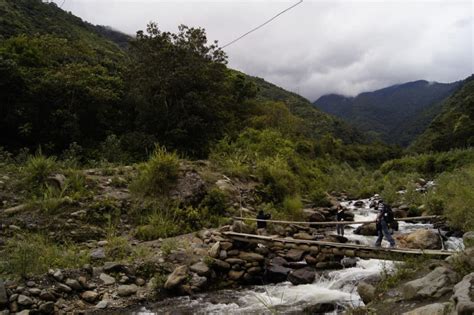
[(454, 126)]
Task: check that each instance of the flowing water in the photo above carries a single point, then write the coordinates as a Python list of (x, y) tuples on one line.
[(337, 287)]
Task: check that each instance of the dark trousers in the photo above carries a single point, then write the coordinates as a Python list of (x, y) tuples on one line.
[(382, 230), (340, 229)]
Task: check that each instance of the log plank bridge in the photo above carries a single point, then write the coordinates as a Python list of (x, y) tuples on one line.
[(332, 248)]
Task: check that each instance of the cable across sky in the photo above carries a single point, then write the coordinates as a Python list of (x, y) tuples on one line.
[(262, 25)]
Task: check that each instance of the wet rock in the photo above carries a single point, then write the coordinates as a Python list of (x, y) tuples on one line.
[(348, 262), (329, 265), (251, 256), (302, 276), (435, 284), (214, 250), (98, 254), (366, 292), (3, 294), (73, 284), (89, 296), (423, 239), (463, 296), (128, 289), (47, 308), (367, 229), (359, 204), (294, 255), (276, 273), (432, 309), (235, 275), (176, 277), (200, 268), (24, 300), (241, 227)]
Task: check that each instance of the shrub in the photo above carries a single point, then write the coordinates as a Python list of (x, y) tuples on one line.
[(35, 254), (36, 171), (158, 175), (216, 201), (293, 207)]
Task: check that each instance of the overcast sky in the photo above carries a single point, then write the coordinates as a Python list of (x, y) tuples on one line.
[(319, 47)]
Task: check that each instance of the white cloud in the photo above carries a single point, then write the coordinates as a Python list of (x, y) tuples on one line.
[(319, 47)]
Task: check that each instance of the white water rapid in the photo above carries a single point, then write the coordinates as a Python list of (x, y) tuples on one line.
[(337, 287)]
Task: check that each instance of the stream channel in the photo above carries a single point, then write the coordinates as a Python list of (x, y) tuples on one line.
[(337, 287)]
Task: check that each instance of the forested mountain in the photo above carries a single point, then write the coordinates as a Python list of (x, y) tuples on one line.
[(396, 114), (454, 126), (64, 82)]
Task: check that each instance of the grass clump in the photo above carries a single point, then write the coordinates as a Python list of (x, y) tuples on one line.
[(158, 175), (36, 171), (34, 254), (403, 271)]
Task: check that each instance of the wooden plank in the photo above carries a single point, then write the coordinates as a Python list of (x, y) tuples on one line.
[(336, 222), (257, 238)]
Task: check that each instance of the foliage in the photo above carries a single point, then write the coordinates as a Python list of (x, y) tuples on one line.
[(33, 254), (402, 271), (158, 175), (36, 171)]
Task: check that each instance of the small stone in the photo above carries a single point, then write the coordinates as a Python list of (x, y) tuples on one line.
[(106, 279), (47, 308), (127, 290), (58, 275), (13, 297), (102, 243), (23, 300), (102, 305), (73, 284), (64, 288), (34, 291), (30, 284), (114, 267), (235, 275), (89, 296), (200, 268), (98, 254), (140, 282), (124, 279)]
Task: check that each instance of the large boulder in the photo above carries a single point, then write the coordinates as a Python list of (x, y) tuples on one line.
[(463, 296), (422, 239), (276, 273), (366, 292), (176, 277), (302, 276), (294, 255), (432, 309), (190, 188), (367, 229), (434, 285)]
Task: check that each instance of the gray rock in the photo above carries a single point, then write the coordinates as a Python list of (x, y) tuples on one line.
[(73, 284), (251, 256), (468, 239), (102, 243), (24, 300), (102, 305), (127, 290), (24, 312), (215, 250), (176, 277), (349, 262), (435, 284), (34, 291), (294, 255), (367, 229), (98, 254), (366, 292), (64, 288), (106, 279), (464, 294), (220, 264), (140, 282), (302, 276), (47, 308), (200, 268), (198, 281), (58, 275), (3, 294), (114, 267), (89, 296), (276, 273), (432, 309)]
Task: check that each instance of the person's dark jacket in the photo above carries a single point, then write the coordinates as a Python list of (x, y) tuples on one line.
[(340, 215), (262, 216)]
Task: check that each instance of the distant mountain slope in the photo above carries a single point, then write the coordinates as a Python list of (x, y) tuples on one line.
[(35, 17), (319, 122), (454, 126), (396, 114)]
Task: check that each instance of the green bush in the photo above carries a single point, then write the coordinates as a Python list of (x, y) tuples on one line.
[(158, 175), (216, 201), (293, 207), (36, 171), (35, 254)]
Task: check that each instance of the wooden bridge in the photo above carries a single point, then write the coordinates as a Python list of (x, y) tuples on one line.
[(342, 249)]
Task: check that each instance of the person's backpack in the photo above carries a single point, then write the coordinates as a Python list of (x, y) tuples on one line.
[(388, 214)]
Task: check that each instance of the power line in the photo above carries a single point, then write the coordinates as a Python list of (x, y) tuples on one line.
[(262, 25)]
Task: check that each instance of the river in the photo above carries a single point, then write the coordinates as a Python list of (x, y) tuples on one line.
[(338, 287)]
